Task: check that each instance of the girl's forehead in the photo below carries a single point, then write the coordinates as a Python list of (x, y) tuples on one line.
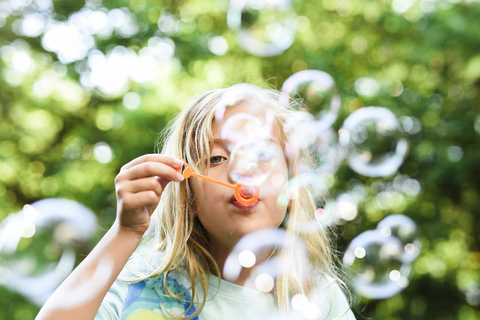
[(254, 108)]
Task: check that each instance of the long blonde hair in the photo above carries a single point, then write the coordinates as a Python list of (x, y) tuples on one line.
[(182, 239)]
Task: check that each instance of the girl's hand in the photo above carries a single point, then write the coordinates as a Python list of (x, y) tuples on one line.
[(139, 186)]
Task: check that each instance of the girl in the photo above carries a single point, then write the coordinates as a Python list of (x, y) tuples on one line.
[(197, 225)]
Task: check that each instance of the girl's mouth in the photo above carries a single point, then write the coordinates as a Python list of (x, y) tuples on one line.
[(237, 204)]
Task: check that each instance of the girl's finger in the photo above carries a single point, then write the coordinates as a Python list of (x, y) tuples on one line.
[(150, 169), (144, 184), (161, 158), (141, 199)]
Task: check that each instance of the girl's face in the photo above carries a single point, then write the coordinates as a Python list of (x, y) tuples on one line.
[(224, 219)]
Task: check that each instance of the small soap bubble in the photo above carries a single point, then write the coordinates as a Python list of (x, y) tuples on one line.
[(405, 230), (375, 142), (316, 90), (264, 28), (377, 269)]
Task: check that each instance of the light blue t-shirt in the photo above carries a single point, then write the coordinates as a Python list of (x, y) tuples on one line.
[(142, 301)]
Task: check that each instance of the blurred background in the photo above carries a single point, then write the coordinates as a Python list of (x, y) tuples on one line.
[(85, 87)]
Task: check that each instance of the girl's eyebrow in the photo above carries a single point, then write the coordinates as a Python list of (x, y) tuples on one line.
[(223, 142), (219, 143)]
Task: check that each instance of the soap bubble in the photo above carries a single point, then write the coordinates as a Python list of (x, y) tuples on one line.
[(265, 28), (377, 265), (243, 127), (36, 260), (251, 161), (266, 268), (312, 188), (316, 89), (405, 230), (375, 142), (315, 148)]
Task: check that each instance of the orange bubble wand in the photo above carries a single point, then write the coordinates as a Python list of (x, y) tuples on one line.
[(240, 195)]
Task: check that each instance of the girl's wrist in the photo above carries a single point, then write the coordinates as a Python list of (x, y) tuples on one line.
[(126, 232)]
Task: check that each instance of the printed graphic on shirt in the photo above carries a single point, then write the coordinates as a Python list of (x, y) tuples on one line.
[(145, 298)]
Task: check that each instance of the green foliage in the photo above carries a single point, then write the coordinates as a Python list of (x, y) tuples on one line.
[(428, 66)]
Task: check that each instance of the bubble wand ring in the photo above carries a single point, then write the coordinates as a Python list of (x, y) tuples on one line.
[(240, 195)]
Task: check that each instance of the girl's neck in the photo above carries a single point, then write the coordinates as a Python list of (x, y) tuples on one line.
[(221, 254)]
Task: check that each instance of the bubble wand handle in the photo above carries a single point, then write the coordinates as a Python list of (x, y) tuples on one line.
[(240, 195), (213, 180)]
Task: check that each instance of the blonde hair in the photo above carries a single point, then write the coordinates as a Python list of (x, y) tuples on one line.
[(182, 239)]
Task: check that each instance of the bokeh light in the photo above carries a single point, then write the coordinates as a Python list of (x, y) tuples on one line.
[(264, 28)]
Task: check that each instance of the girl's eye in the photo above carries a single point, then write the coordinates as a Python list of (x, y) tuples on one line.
[(216, 159)]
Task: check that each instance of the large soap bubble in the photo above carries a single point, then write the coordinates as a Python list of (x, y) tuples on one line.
[(265, 28), (251, 161), (261, 257), (254, 250), (245, 127), (316, 89), (377, 265), (375, 142), (37, 246), (314, 146), (380, 259)]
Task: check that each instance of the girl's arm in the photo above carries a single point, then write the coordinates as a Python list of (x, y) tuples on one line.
[(139, 186)]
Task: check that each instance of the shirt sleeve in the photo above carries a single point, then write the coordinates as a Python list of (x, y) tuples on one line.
[(112, 305)]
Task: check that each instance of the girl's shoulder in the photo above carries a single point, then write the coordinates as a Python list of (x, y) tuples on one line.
[(331, 299)]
